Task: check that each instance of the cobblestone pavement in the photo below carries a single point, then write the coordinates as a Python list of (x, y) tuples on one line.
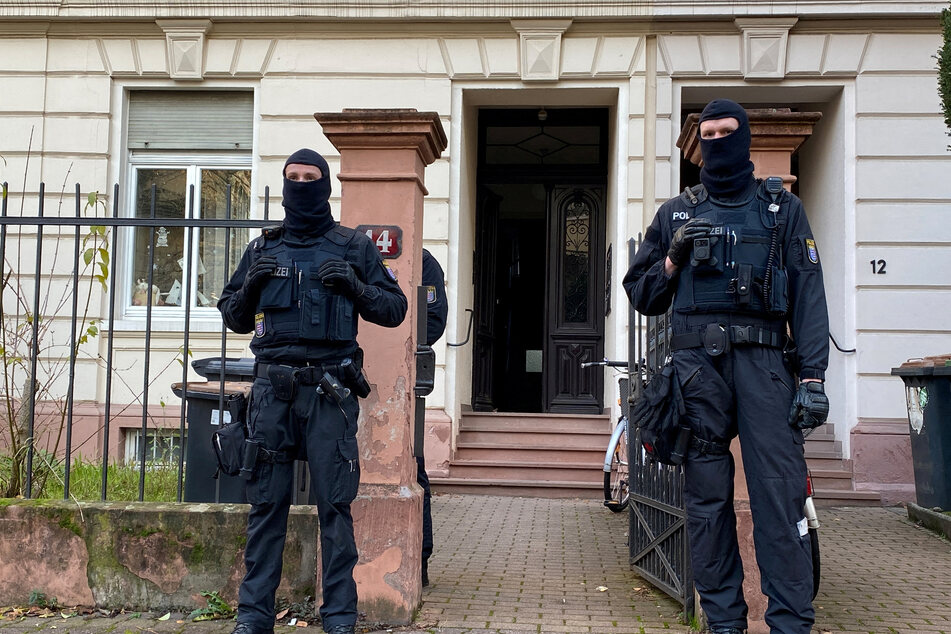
[(513, 565)]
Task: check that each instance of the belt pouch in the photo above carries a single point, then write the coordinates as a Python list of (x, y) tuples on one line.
[(778, 298), (716, 340), (283, 381), (744, 281)]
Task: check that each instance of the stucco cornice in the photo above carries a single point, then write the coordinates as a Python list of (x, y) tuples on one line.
[(458, 9)]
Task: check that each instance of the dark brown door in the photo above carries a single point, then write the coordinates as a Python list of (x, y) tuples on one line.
[(484, 345), (574, 328)]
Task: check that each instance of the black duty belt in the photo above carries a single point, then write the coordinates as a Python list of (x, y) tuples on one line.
[(739, 335), (306, 374)]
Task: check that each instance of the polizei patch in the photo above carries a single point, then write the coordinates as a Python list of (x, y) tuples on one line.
[(259, 325), (811, 251)]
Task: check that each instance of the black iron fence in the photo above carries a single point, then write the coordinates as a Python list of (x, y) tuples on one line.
[(93, 238), (659, 547)]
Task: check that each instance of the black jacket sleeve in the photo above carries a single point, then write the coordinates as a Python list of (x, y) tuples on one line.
[(382, 302), (650, 289), (438, 309), (237, 310), (808, 314)]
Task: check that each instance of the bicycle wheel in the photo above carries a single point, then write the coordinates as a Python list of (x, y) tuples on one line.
[(616, 489), (814, 541)]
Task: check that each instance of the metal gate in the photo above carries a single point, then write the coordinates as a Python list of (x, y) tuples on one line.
[(658, 536)]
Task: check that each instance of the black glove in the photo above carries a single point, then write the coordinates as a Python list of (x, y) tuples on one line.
[(682, 242), (258, 275), (810, 406), (340, 275)]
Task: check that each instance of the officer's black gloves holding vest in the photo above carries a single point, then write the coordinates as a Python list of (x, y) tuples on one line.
[(257, 276), (810, 407), (340, 275), (682, 242)]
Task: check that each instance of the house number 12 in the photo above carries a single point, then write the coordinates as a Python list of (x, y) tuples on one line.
[(878, 267)]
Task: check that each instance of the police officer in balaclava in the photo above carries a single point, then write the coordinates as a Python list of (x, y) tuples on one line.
[(300, 288), (738, 264)]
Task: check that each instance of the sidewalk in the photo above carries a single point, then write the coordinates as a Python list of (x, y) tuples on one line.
[(505, 564)]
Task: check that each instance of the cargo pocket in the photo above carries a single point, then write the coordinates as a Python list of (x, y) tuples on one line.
[(347, 466), (260, 487), (315, 314), (277, 293), (344, 323)]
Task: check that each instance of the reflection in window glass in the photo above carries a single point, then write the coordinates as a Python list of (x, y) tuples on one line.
[(164, 190), (219, 193), (214, 266)]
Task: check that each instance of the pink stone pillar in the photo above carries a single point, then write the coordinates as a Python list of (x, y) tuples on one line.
[(383, 157), (776, 135)]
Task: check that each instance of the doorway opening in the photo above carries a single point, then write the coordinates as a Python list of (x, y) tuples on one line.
[(539, 262)]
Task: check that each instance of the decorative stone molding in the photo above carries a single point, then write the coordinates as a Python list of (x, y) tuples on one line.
[(764, 46), (185, 41), (540, 48)]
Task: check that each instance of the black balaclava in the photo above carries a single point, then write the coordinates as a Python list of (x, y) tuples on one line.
[(307, 203), (727, 169)]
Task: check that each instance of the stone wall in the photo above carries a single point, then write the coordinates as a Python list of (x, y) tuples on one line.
[(139, 555)]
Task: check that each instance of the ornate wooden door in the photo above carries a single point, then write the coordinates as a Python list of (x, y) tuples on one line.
[(575, 294)]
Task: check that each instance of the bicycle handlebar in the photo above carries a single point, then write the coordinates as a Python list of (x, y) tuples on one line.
[(606, 362)]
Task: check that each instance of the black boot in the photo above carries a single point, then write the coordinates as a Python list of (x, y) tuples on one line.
[(425, 573)]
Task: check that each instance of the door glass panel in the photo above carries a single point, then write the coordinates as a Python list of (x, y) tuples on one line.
[(214, 266), (576, 260), (169, 199)]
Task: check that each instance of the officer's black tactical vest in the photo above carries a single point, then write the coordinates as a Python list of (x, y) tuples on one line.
[(295, 306), (728, 273)]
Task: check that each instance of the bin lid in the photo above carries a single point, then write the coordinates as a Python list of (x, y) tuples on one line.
[(927, 366), (211, 389), (236, 369)]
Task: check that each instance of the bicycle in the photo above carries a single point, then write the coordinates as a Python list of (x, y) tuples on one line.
[(617, 492)]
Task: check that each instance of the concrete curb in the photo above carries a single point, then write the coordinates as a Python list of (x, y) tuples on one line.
[(938, 522)]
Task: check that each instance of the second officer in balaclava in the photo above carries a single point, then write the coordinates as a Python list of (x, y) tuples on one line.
[(736, 260), (300, 288)]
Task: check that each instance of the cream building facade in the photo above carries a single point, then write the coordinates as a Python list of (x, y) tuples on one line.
[(81, 101)]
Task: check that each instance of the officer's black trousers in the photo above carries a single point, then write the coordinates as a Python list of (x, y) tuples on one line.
[(422, 479), (313, 426), (747, 391)]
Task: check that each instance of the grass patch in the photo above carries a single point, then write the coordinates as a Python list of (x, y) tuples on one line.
[(85, 482)]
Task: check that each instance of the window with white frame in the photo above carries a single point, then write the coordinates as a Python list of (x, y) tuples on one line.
[(189, 158), (162, 446)]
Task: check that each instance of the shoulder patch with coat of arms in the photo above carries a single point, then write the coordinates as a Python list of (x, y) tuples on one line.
[(259, 325), (389, 272), (812, 252)]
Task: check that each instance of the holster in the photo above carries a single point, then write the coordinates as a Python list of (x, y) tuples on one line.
[(229, 444), (283, 381)]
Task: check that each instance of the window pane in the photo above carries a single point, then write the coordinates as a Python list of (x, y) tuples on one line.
[(169, 200), (214, 265)]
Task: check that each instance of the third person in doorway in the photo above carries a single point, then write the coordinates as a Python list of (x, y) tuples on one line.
[(737, 260), (437, 308)]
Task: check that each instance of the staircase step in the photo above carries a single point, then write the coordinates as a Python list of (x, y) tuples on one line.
[(831, 479), (574, 424), (578, 440), (527, 472), (487, 486), (827, 498), (467, 452)]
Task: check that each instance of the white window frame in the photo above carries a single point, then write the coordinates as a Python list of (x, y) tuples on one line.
[(132, 434), (192, 163)]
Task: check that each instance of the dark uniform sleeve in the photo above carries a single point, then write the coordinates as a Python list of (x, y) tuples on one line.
[(648, 287), (383, 302), (236, 311), (438, 309), (808, 314)]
